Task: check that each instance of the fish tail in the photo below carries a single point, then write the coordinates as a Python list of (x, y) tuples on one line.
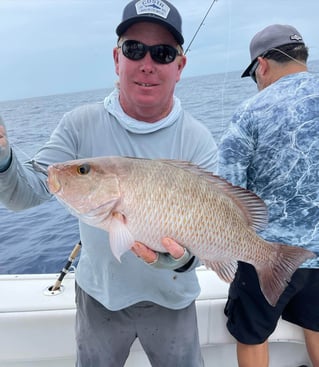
[(275, 276)]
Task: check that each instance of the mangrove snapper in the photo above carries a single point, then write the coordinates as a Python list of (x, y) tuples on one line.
[(214, 220)]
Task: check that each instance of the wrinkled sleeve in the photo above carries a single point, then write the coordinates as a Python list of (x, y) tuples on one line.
[(22, 187), (199, 146), (207, 154), (236, 149)]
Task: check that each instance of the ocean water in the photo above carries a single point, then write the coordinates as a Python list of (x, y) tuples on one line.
[(40, 239)]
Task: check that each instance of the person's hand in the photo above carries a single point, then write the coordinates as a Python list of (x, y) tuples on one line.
[(4, 146), (175, 258)]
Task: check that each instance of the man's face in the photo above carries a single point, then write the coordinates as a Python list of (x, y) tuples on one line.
[(146, 86)]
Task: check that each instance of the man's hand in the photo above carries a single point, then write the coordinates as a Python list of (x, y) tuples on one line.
[(176, 256), (149, 256), (4, 146)]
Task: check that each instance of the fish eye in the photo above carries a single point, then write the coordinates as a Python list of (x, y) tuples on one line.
[(83, 169)]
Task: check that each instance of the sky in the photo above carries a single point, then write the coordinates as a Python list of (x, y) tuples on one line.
[(63, 46)]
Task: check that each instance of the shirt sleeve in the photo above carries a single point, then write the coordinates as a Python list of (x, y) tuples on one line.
[(236, 149), (23, 187), (199, 146)]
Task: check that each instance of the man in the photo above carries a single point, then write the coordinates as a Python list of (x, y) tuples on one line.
[(117, 302), (272, 148)]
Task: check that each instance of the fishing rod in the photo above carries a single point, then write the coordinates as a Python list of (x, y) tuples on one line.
[(43, 169), (199, 27), (67, 266)]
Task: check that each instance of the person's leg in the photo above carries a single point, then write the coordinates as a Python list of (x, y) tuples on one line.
[(252, 355), (303, 311), (312, 343), (169, 337), (250, 318), (103, 337)]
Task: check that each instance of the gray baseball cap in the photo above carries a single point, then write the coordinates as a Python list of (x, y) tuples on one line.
[(157, 11), (272, 36)]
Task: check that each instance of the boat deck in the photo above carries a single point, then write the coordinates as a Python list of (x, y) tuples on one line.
[(37, 327)]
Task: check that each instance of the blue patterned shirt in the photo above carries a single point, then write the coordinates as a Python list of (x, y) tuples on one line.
[(272, 148)]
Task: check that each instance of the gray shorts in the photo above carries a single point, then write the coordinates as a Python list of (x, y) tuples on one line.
[(169, 337)]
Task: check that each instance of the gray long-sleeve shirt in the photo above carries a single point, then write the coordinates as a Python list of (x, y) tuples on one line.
[(91, 131)]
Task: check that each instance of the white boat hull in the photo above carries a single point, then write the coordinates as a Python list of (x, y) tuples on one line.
[(37, 328)]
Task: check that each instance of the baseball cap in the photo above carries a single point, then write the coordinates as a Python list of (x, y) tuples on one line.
[(272, 36), (157, 11)]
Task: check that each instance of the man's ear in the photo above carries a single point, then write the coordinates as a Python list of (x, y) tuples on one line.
[(181, 64), (116, 59), (263, 65)]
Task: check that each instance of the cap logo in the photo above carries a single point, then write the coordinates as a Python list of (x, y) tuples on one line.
[(295, 37), (156, 7)]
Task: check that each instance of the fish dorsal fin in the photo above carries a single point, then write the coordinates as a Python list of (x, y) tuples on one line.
[(252, 207)]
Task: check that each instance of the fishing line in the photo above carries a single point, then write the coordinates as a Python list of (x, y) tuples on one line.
[(38, 167), (199, 27), (223, 123), (14, 144)]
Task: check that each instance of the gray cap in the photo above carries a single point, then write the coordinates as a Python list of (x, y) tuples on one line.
[(275, 35), (157, 11)]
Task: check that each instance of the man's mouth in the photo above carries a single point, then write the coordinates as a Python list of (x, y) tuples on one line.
[(146, 84)]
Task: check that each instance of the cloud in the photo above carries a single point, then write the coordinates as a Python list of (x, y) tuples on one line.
[(59, 46)]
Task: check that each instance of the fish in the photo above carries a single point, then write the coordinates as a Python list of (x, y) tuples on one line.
[(215, 220)]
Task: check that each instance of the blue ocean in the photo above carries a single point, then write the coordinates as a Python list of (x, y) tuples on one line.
[(39, 240)]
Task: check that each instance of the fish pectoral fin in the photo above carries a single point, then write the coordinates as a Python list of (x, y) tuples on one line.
[(225, 270), (121, 239)]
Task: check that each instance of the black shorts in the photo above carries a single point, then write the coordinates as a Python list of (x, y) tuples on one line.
[(251, 320)]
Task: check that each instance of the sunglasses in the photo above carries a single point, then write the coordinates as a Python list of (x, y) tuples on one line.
[(135, 50), (252, 72)]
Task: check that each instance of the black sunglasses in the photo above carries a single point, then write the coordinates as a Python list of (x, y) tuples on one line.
[(252, 72), (135, 50)]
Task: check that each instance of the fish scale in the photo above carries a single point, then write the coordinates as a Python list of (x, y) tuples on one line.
[(216, 221)]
